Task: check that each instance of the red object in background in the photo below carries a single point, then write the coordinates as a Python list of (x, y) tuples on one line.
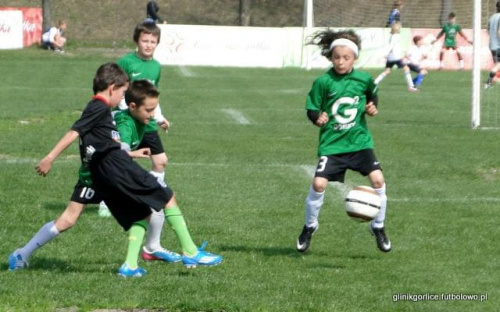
[(32, 24)]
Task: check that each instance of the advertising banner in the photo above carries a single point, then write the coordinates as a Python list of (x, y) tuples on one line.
[(31, 25), (11, 30)]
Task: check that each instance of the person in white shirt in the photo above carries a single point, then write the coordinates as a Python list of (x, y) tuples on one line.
[(414, 58), (53, 39), (395, 56)]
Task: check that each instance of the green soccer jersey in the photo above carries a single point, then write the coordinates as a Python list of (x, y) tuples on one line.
[(131, 131), (137, 69), (343, 98), (131, 134), (450, 33)]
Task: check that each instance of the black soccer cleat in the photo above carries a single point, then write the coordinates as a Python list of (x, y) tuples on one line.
[(304, 239), (383, 242)]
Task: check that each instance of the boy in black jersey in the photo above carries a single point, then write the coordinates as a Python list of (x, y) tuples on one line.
[(128, 190)]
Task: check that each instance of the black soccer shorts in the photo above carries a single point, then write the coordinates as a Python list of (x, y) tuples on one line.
[(153, 141), (334, 167)]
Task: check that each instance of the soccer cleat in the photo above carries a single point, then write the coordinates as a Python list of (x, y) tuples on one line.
[(16, 262), (161, 254), (413, 89), (126, 271), (203, 258), (383, 242), (103, 211), (488, 85), (304, 239)]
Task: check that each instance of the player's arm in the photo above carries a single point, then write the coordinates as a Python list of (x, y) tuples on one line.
[(317, 118), (465, 37), (314, 101), (441, 33), (44, 166)]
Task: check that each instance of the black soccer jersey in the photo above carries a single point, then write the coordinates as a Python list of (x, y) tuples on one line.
[(97, 130)]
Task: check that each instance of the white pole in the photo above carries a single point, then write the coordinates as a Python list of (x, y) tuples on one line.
[(476, 68), (308, 25)]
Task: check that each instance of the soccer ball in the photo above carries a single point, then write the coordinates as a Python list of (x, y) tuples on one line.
[(362, 204)]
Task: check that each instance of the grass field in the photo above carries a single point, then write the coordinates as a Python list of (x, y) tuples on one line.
[(241, 154)]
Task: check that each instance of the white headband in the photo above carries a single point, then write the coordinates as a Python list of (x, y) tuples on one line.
[(345, 42)]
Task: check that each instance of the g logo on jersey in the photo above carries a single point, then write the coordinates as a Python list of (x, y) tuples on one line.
[(344, 110)]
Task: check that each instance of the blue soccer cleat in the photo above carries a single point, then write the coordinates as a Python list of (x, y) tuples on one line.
[(203, 258), (161, 254), (126, 271), (16, 262)]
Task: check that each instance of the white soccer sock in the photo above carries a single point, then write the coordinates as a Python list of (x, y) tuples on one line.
[(380, 78), (156, 222), (158, 175), (409, 80), (378, 222), (43, 236), (314, 201), (461, 64)]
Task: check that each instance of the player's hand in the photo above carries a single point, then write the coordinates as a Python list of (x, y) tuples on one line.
[(371, 109), (322, 119), (44, 166), (165, 125), (140, 153)]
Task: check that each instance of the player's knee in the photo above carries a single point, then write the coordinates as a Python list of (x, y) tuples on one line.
[(319, 186), (159, 162)]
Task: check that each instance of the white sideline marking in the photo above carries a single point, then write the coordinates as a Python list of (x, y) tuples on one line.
[(344, 188), (186, 72), (237, 116), (307, 170)]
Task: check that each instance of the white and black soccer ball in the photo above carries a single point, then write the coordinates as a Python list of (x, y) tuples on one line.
[(362, 204)]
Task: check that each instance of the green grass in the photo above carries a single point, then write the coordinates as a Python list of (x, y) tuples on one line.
[(242, 187)]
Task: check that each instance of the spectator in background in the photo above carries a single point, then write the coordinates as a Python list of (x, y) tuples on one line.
[(152, 9), (52, 39), (395, 15), (494, 32)]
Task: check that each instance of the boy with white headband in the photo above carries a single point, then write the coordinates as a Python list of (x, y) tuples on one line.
[(338, 103)]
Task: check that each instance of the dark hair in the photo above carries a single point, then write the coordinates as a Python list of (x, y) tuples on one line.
[(147, 27), (139, 90), (109, 74), (498, 6), (452, 15), (417, 39), (324, 39)]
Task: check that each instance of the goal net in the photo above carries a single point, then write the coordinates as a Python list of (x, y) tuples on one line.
[(423, 17)]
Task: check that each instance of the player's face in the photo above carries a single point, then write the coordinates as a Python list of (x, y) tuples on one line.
[(343, 59), (146, 45), (146, 111)]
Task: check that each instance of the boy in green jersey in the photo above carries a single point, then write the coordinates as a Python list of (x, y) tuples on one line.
[(337, 103), (143, 99), (450, 31)]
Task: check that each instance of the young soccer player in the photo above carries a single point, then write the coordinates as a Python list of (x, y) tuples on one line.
[(415, 56), (395, 56), (129, 191), (131, 131), (140, 64), (337, 103), (450, 31)]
